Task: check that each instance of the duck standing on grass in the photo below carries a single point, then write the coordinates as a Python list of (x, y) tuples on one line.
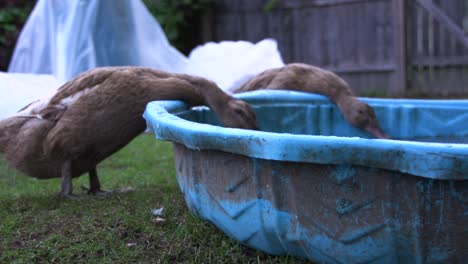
[(96, 114), (308, 78)]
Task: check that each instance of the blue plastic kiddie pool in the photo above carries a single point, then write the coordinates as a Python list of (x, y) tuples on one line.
[(310, 185)]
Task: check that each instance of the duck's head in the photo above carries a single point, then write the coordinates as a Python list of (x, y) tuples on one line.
[(238, 114), (362, 116)]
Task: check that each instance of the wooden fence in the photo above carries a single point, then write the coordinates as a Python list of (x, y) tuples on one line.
[(392, 47)]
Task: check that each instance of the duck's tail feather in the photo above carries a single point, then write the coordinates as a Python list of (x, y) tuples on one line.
[(9, 129)]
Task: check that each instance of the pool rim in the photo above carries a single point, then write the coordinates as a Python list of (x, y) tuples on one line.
[(442, 161)]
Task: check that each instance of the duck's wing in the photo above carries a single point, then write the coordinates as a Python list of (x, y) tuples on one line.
[(28, 105), (80, 84), (73, 90), (260, 81)]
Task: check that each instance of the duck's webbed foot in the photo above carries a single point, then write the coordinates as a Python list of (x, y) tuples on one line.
[(95, 185), (66, 183)]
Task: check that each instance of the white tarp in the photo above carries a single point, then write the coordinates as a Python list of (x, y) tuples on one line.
[(64, 38), (231, 63)]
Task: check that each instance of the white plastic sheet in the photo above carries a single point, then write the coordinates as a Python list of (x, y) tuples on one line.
[(63, 38)]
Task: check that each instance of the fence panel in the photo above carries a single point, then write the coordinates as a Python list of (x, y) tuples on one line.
[(392, 47), (438, 47)]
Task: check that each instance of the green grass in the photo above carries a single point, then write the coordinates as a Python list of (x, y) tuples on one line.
[(38, 227)]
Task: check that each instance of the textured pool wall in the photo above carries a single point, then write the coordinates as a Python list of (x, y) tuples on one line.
[(334, 214)]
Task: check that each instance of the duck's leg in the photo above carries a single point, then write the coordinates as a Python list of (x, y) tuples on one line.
[(94, 184), (66, 184)]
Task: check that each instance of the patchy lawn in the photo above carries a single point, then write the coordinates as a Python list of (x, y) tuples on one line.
[(38, 227)]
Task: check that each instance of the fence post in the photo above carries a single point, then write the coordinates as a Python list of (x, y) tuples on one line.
[(399, 25)]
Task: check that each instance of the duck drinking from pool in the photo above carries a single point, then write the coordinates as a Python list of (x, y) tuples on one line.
[(308, 78), (96, 114)]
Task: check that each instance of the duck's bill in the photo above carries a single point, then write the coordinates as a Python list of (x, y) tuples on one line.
[(376, 131)]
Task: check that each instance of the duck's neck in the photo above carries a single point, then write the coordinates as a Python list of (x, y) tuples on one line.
[(192, 90), (207, 93), (215, 98), (344, 101)]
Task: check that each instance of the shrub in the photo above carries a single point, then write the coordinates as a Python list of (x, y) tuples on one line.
[(13, 14)]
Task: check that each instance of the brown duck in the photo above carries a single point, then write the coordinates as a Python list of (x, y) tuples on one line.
[(96, 114), (308, 78)]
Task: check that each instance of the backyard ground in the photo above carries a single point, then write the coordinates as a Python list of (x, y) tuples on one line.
[(38, 227)]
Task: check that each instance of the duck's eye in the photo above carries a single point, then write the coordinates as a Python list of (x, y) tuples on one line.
[(238, 111)]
